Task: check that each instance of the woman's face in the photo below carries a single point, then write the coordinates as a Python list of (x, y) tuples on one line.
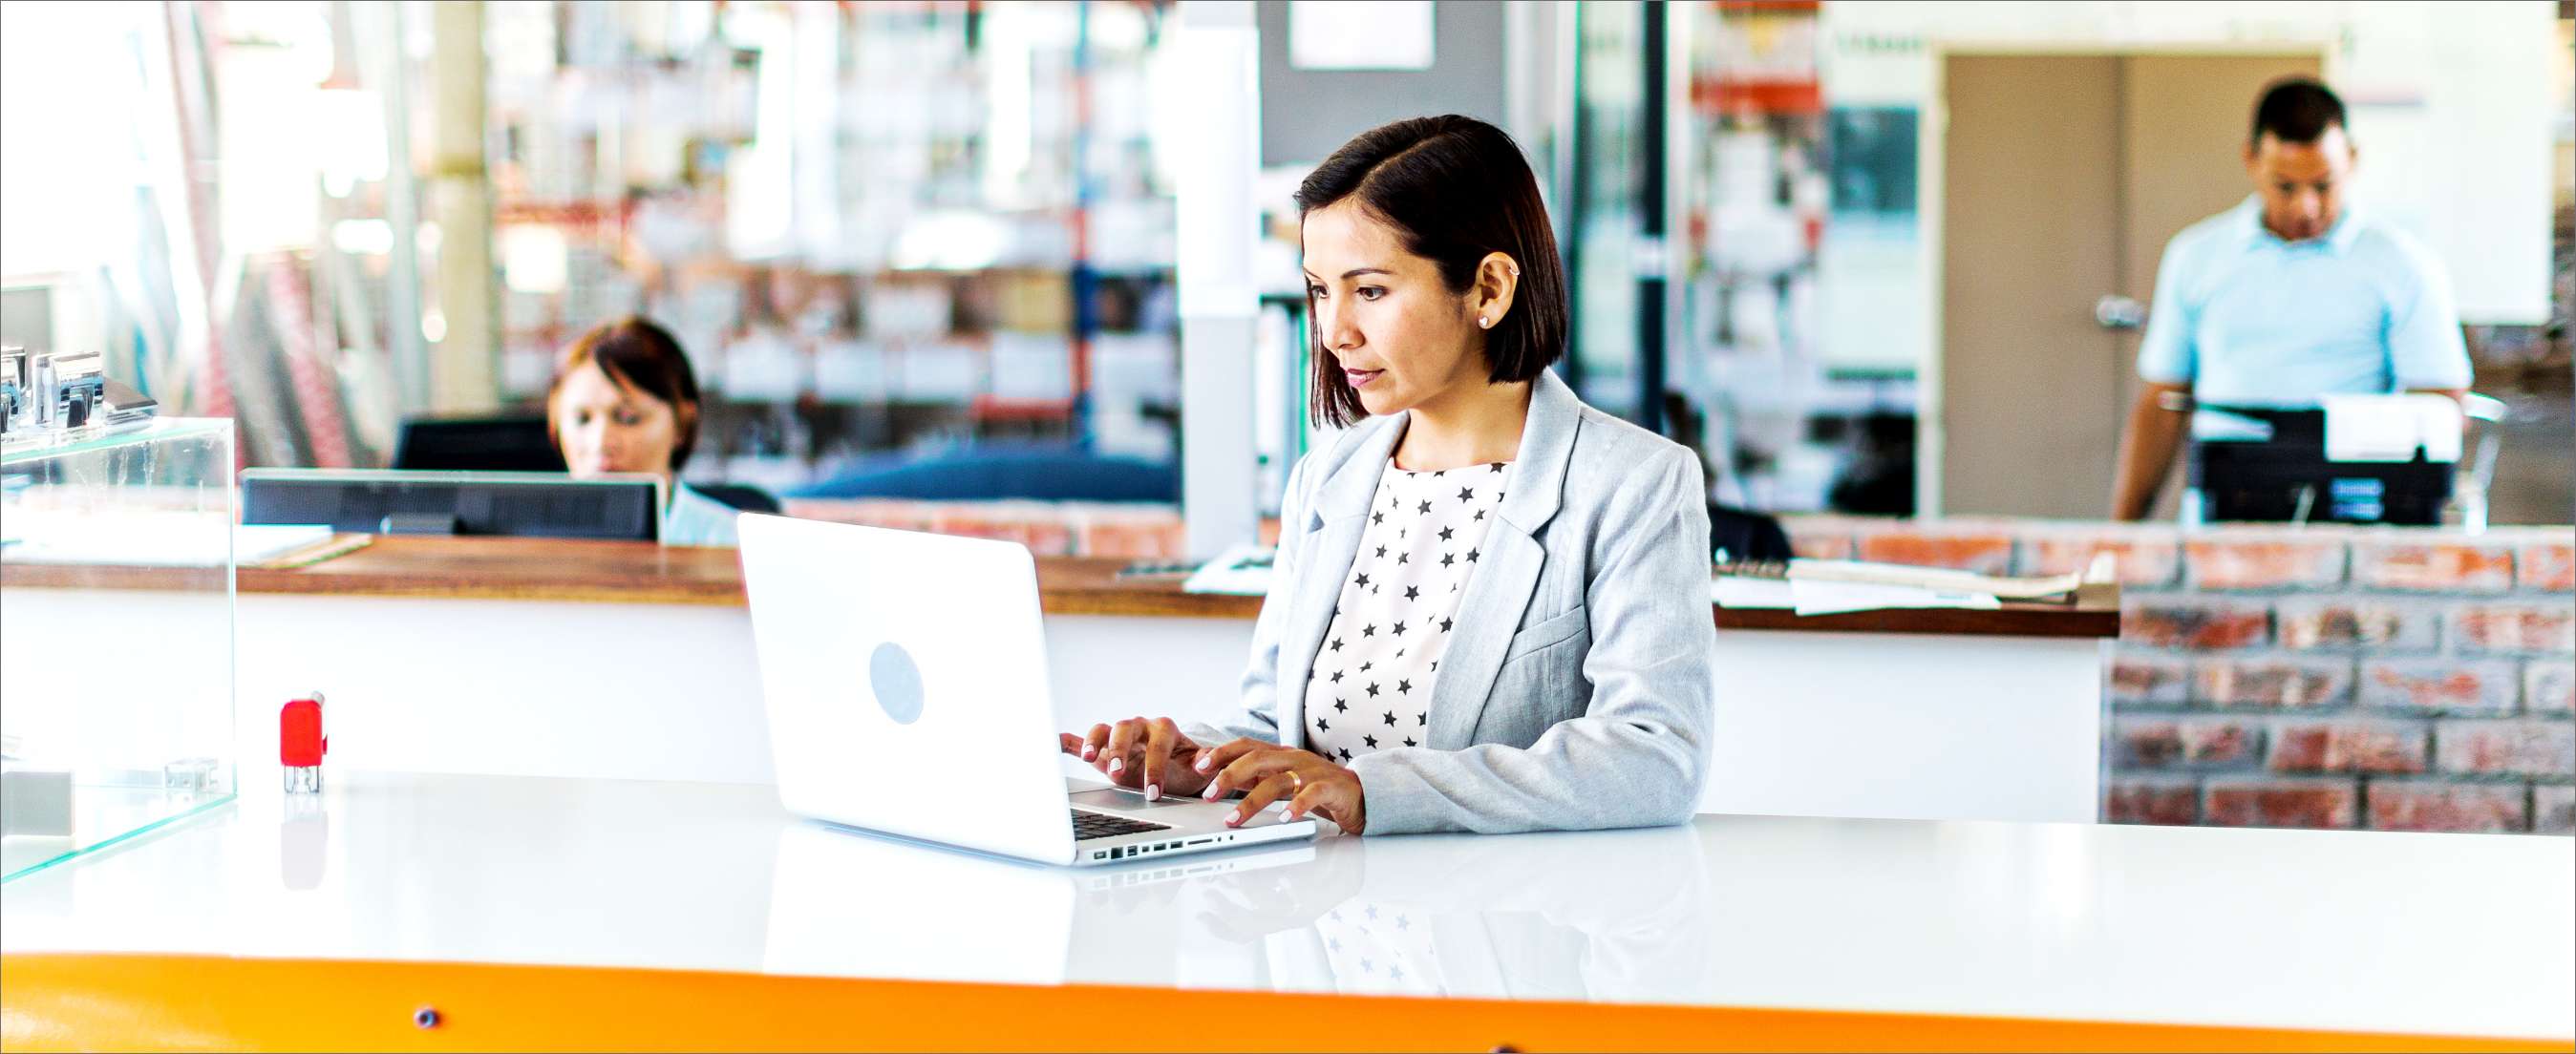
[(608, 427), (1400, 336)]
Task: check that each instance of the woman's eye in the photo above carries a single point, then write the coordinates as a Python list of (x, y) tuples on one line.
[(1315, 292), (1372, 292), (629, 418)]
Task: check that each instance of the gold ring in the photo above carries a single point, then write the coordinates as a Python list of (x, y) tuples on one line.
[(1297, 781)]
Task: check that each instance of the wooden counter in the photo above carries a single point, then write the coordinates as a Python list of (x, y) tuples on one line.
[(644, 573)]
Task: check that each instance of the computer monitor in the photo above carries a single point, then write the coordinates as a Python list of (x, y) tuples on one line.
[(2278, 471), (477, 444), (523, 504)]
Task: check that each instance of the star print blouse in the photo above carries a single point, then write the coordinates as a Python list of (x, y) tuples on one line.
[(1370, 689)]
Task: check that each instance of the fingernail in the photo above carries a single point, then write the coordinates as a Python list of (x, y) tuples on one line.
[(1234, 819), (1289, 815), (1203, 762), (1089, 752), (1116, 764), (1209, 793), (1153, 792)]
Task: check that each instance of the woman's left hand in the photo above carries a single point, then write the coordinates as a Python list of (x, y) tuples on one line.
[(1268, 772)]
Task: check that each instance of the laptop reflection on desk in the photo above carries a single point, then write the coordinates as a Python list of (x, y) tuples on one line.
[(848, 903)]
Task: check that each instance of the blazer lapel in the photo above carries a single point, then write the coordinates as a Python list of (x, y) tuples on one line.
[(1492, 608), (1508, 571), (1333, 524)]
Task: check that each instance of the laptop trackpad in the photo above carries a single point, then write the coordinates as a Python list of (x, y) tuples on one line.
[(1124, 800)]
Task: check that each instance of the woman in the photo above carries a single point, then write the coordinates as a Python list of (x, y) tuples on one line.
[(624, 400), (1490, 606)]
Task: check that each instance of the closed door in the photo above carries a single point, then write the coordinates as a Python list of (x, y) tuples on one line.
[(2064, 176)]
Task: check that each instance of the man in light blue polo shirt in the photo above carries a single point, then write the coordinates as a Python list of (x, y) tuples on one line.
[(2286, 298)]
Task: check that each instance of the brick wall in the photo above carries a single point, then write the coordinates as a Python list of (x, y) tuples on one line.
[(2319, 677), (2378, 678)]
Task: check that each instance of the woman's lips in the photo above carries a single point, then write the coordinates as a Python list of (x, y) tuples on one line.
[(1360, 378)]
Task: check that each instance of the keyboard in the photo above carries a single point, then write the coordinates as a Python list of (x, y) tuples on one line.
[(1087, 825)]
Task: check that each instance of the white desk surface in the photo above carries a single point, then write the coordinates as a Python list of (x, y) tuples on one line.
[(2451, 934)]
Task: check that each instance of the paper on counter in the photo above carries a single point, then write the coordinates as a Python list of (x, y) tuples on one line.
[(1814, 597), (1243, 570), (259, 542), (1933, 579), (2391, 427), (159, 539), (1731, 591)]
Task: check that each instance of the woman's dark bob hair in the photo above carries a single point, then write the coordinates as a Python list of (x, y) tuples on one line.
[(642, 357), (1456, 188)]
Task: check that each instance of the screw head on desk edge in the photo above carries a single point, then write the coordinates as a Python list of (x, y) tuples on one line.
[(425, 1017)]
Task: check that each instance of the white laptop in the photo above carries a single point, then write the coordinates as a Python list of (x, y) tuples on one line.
[(905, 676)]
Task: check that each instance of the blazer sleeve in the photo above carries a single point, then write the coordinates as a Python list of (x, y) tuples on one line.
[(1259, 718), (1637, 755)]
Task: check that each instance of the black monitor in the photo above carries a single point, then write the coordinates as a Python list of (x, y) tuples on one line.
[(477, 444), (486, 503), (2280, 473)]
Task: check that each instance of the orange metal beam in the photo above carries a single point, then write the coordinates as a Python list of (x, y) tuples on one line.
[(166, 1002)]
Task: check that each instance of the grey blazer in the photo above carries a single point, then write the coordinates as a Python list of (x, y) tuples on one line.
[(1577, 690)]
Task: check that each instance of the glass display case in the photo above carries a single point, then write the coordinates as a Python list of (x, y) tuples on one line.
[(116, 590)]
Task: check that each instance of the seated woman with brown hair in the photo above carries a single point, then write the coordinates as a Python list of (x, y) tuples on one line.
[(1541, 656), (625, 400)]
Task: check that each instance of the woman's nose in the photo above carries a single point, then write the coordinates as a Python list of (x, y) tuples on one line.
[(1337, 330)]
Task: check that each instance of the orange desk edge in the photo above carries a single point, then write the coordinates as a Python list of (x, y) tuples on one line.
[(171, 1002)]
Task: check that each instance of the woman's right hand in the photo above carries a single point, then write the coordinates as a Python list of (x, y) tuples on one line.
[(1151, 755)]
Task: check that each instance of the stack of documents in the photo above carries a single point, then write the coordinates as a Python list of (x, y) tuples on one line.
[(1822, 587)]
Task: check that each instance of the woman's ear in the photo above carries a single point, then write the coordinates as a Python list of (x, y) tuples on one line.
[(1498, 281)]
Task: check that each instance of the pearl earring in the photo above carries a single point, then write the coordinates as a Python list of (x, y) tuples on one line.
[(1484, 323)]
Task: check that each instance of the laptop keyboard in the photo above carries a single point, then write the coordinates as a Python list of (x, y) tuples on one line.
[(1102, 825)]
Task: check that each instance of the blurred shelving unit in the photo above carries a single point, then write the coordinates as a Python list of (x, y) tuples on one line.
[(1614, 197), (880, 229), (1768, 167)]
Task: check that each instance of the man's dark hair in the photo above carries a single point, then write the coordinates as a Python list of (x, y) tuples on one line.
[(1455, 188), (2296, 110)]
